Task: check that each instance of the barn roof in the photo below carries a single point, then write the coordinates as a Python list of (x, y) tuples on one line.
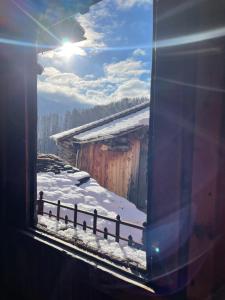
[(118, 124)]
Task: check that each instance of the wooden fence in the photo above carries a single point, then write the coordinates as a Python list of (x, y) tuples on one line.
[(118, 222)]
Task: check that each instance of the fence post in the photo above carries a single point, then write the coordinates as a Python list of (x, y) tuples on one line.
[(58, 211), (50, 214), (75, 216), (130, 241), (84, 225), (105, 233), (66, 219), (118, 228), (41, 204), (144, 234), (95, 221)]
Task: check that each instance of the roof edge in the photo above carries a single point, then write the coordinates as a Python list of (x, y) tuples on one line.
[(108, 137), (92, 125)]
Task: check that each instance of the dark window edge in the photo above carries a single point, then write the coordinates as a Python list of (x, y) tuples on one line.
[(92, 260)]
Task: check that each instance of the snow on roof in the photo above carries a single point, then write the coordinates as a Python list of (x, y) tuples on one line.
[(123, 122), (116, 127)]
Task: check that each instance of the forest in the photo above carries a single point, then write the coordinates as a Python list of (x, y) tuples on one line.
[(51, 123)]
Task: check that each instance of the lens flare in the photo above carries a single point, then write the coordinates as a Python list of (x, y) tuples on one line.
[(69, 49)]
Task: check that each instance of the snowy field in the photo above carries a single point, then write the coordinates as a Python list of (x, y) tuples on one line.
[(90, 196)]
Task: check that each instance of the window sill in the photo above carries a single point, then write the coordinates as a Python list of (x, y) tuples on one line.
[(92, 260)]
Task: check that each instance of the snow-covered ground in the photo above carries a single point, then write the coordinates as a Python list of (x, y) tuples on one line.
[(90, 196), (128, 256)]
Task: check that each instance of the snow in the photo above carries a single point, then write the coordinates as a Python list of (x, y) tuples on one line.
[(90, 196), (80, 175), (123, 253), (123, 124), (126, 123)]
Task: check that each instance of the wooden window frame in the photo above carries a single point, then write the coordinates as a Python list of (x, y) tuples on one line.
[(18, 154), (21, 186), (19, 119)]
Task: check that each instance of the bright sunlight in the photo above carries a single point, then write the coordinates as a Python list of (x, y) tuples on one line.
[(69, 49)]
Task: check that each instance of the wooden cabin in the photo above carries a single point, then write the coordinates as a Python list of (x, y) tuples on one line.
[(114, 151)]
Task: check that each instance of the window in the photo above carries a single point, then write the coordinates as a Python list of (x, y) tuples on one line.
[(187, 177), (93, 124)]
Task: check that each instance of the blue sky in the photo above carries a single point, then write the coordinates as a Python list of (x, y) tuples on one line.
[(112, 63)]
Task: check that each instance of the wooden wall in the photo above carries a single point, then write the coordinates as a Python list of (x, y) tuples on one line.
[(187, 182), (139, 180), (35, 270), (122, 172), (112, 169)]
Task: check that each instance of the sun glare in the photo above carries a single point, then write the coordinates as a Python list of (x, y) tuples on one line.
[(69, 49)]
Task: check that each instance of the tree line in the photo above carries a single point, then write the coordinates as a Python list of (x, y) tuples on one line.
[(54, 122)]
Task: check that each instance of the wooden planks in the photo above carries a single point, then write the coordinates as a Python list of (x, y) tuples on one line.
[(116, 170)]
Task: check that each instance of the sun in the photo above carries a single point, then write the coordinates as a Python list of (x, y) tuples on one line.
[(69, 49)]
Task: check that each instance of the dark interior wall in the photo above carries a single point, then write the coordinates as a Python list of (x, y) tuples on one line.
[(40, 271), (208, 180), (18, 85), (187, 143)]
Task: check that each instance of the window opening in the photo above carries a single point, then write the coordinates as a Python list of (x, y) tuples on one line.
[(93, 124)]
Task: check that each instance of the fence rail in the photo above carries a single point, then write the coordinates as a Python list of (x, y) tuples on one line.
[(118, 222)]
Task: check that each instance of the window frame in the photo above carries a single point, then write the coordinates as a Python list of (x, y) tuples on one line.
[(32, 213), (28, 225), (24, 219), (25, 225)]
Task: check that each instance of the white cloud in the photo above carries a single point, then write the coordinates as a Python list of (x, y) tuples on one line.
[(59, 93), (139, 52), (93, 31), (50, 72), (53, 59), (132, 89), (121, 79), (60, 58), (125, 69), (89, 76), (94, 38), (126, 4)]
